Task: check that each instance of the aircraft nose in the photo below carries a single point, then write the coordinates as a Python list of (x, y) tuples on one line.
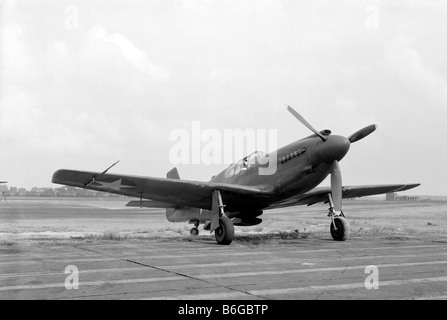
[(334, 148)]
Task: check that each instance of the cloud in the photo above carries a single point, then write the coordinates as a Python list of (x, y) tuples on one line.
[(74, 98), (136, 56), (96, 94), (16, 59), (221, 76), (408, 65), (233, 7)]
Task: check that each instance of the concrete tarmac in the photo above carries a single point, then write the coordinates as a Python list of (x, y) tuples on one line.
[(382, 266), (201, 269)]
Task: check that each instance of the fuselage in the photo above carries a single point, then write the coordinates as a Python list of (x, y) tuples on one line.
[(291, 170)]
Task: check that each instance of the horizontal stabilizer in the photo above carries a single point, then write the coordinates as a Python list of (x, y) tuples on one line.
[(150, 204)]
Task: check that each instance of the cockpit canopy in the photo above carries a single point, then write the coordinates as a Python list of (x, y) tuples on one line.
[(256, 158)]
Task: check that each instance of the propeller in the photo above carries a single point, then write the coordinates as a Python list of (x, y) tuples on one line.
[(332, 151), (99, 175), (356, 136), (307, 124)]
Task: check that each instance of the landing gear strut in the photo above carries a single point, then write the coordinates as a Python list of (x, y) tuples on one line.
[(221, 225), (340, 228)]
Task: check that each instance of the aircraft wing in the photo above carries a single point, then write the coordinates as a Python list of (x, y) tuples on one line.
[(165, 192), (320, 194)]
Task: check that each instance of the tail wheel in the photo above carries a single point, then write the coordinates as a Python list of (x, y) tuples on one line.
[(194, 231), (225, 233), (341, 230)]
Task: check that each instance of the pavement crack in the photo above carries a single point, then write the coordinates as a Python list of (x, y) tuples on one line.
[(192, 278), (340, 252), (344, 270), (319, 295), (173, 272)]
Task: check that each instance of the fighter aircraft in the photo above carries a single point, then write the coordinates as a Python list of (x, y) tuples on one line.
[(238, 195)]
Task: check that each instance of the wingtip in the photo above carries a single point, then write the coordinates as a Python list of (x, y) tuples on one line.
[(410, 186), (55, 174)]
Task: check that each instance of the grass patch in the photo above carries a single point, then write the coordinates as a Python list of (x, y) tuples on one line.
[(294, 234), (106, 236), (262, 238)]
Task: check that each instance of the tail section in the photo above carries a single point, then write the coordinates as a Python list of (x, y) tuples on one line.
[(180, 214), (170, 212), (173, 174)]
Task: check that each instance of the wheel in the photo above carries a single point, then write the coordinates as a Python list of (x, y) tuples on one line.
[(341, 233), (225, 233), (194, 231)]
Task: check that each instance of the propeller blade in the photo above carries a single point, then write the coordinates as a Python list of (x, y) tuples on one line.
[(336, 185), (362, 133), (307, 124), (105, 171), (101, 174)]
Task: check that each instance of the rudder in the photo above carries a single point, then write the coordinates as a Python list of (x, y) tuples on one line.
[(181, 214), (173, 174)]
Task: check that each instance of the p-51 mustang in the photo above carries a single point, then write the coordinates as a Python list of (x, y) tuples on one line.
[(238, 195)]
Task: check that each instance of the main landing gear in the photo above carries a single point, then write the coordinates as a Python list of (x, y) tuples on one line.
[(225, 232), (220, 224), (340, 228)]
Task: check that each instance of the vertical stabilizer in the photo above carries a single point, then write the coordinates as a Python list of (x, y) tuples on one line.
[(173, 174), (182, 214)]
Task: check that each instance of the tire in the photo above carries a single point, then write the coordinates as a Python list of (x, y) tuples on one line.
[(194, 232), (343, 229), (225, 233)]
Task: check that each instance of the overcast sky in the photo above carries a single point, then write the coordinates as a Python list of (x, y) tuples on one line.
[(86, 83)]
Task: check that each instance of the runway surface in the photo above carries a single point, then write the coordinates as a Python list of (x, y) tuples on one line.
[(179, 267), (292, 269)]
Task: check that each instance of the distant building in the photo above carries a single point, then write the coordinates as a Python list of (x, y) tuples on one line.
[(390, 196), (394, 197), (64, 191)]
